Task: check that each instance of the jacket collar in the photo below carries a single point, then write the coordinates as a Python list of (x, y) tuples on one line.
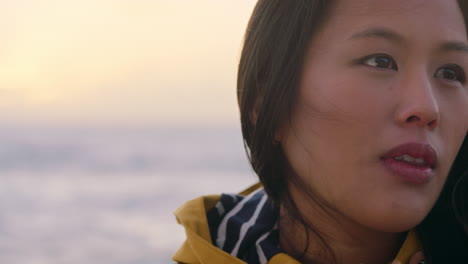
[(199, 247)]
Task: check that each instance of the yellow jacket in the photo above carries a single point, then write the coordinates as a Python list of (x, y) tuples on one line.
[(198, 247)]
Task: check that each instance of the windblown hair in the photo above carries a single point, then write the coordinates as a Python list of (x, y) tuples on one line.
[(275, 45)]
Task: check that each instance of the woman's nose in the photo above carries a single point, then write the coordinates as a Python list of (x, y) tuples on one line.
[(418, 103)]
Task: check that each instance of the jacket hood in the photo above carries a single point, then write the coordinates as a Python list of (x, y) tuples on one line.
[(200, 249)]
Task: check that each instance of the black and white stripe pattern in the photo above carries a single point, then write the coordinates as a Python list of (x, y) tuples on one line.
[(245, 227)]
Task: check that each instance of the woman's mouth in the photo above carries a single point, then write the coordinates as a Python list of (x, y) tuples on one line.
[(412, 162)]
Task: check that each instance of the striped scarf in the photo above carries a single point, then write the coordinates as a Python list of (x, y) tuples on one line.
[(245, 227)]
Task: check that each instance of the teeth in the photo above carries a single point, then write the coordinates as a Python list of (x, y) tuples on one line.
[(408, 158)]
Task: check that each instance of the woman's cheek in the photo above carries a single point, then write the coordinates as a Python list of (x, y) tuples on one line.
[(360, 94)]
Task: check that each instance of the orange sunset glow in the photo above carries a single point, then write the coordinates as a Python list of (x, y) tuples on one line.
[(120, 60)]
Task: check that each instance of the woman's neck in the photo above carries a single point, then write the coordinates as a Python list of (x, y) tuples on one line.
[(331, 237)]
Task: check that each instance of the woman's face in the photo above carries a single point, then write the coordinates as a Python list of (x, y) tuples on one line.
[(381, 75)]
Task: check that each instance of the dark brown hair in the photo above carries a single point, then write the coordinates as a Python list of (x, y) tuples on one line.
[(276, 42)]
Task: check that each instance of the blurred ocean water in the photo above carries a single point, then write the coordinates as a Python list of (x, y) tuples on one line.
[(105, 194)]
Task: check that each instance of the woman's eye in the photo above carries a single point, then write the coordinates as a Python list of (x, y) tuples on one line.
[(380, 61), (451, 73)]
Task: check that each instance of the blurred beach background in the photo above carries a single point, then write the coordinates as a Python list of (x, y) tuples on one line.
[(112, 114)]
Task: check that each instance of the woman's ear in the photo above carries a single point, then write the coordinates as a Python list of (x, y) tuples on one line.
[(254, 115), (256, 109), (278, 135)]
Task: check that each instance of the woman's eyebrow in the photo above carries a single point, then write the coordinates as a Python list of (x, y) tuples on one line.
[(388, 34), (454, 46), (378, 32)]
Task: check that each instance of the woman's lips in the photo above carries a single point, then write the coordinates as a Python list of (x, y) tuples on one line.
[(413, 162)]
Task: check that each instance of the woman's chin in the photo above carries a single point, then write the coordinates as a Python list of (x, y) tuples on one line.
[(397, 223)]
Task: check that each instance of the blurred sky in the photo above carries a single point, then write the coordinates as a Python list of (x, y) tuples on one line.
[(120, 61)]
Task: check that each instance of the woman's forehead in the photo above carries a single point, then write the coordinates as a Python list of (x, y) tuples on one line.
[(441, 17), (392, 7)]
